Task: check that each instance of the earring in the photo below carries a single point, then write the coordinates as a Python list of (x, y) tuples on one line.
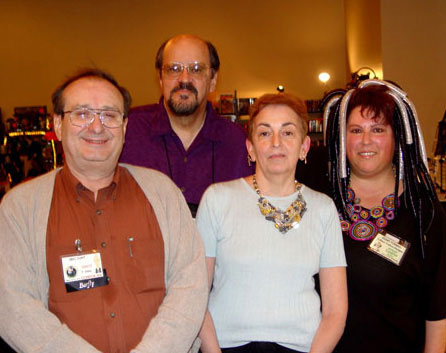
[(249, 160), (305, 160)]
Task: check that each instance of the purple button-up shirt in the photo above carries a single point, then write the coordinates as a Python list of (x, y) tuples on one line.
[(217, 154)]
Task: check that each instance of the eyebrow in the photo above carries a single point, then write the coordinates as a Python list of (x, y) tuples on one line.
[(283, 125), (104, 107), (374, 125)]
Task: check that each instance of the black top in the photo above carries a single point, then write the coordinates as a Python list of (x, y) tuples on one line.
[(389, 304)]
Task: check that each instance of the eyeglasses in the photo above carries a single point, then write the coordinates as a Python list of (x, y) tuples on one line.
[(83, 117), (194, 69)]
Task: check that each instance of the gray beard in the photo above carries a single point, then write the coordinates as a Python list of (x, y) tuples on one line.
[(182, 108)]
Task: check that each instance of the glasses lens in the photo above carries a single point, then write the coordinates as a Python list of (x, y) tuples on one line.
[(81, 117), (173, 70), (196, 69), (111, 118)]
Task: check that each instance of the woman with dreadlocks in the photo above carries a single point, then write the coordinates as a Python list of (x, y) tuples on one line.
[(393, 225)]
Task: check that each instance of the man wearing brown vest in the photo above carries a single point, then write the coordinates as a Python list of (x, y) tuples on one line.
[(96, 256)]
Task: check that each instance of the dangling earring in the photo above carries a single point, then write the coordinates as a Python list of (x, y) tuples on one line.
[(249, 160), (305, 160)]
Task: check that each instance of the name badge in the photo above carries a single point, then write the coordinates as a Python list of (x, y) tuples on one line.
[(389, 247), (83, 271)]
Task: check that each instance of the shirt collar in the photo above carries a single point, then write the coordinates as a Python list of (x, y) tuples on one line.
[(76, 189), (209, 131)]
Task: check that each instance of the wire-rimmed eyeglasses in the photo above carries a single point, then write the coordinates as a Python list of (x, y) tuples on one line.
[(195, 69), (83, 117)]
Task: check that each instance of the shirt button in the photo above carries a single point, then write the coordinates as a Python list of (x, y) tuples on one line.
[(98, 212), (185, 159), (103, 244), (112, 315), (183, 189)]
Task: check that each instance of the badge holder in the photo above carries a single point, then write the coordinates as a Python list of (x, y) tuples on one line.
[(83, 270), (389, 247)]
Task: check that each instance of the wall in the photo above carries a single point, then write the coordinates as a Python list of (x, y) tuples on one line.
[(414, 52), (363, 35), (261, 44)]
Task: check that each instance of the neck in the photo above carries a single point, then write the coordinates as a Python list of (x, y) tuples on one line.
[(277, 186), (187, 127), (371, 191), (93, 178)]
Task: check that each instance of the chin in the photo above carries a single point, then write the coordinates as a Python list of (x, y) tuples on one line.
[(96, 157), (280, 172)]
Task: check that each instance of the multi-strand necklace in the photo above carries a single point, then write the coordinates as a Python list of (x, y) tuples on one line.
[(283, 220), (364, 224)]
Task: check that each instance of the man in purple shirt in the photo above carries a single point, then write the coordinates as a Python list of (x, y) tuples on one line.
[(182, 136)]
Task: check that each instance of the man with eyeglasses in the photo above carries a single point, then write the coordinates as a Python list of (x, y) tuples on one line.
[(182, 136), (96, 256)]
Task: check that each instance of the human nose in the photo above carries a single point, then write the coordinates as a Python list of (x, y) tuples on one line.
[(276, 139), (184, 76), (96, 124), (366, 137)]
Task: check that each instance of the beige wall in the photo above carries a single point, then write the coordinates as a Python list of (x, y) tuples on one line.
[(414, 55), (261, 44), (363, 35)]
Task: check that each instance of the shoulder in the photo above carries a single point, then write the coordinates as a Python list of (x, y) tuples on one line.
[(316, 196), (41, 185), (435, 227), (222, 200), (318, 202), (150, 177), (164, 196), (144, 109), (144, 113), (226, 190), (226, 127)]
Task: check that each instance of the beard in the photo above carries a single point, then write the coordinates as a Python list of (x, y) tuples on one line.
[(183, 108)]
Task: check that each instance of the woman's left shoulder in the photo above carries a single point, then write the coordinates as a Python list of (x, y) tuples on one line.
[(316, 196)]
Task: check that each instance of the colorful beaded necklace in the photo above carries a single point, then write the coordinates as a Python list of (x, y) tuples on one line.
[(283, 220), (364, 224)]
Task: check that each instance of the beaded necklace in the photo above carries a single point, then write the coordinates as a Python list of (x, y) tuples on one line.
[(364, 224), (283, 220)]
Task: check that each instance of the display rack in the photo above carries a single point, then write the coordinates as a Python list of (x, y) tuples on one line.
[(237, 110), (29, 146)]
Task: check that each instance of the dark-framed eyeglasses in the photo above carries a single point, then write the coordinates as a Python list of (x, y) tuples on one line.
[(83, 117), (195, 69)]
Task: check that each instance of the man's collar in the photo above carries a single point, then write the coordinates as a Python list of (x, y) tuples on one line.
[(209, 130), (76, 187)]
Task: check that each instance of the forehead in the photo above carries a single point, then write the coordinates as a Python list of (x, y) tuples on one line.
[(276, 114), (366, 116), (92, 92), (186, 50)]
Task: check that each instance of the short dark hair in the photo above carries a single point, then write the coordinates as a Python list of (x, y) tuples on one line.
[(213, 56), (57, 96), (292, 102), (376, 99)]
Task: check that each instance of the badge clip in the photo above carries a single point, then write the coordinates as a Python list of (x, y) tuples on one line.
[(78, 245)]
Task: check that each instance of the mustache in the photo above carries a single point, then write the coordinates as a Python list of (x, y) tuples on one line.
[(185, 85)]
